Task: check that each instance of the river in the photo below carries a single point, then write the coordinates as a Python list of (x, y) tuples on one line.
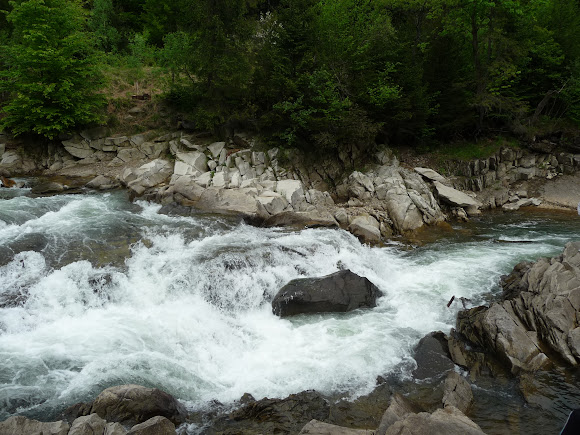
[(97, 291)]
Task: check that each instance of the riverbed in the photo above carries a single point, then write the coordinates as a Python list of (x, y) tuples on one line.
[(97, 291)]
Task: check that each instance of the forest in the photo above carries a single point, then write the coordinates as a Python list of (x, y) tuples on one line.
[(310, 74)]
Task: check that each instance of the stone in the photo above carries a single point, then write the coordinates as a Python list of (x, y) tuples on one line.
[(204, 179), (47, 188), (454, 197), (221, 179), (154, 426), (274, 416), (457, 392), (102, 182), (306, 219), (10, 158), (366, 228), (432, 357), (258, 158), (19, 425), (148, 175), (136, 404), (446, 421), (500, 331), (341, 217), (196, 159), (430, 174), (114, 429), (398, 409), (130, 154), (274, 203), (81, 150), (154, 150), (290, 189), (335, 293), (315, 427), (216, 148), (361, 180), (88, 425), (188, 188), (238, 201), (118, 141), (2, 149)]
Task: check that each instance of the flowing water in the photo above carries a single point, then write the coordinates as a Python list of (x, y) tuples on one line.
[(97, 291)]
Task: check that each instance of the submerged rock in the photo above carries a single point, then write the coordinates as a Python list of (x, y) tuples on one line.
[(47, 188), (335, 293)]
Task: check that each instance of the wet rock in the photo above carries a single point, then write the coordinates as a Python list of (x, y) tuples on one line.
[(366, 228), (338, 292), (365, 412), (315, 427), (398, 409), (313, 219), (457, 392), (47, 188), (134, 403), (432, 357), (88, 425), (19, 425), (500, 331), (154, 426), (271, 416), (102, 182), (447, 421)]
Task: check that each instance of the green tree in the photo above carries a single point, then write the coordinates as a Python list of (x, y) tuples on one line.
[(100, 23), (51, 74)]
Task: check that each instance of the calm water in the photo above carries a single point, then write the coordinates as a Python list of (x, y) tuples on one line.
[(97, 291)]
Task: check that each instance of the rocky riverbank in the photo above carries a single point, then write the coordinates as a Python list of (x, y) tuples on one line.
[(275, 188)]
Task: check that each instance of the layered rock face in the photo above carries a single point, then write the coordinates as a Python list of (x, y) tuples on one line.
[(540, 307)]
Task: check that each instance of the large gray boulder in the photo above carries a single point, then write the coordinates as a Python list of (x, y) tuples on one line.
[(335, 293), (136, 404), (500, 331), (545, 295), (447, 421), (19, 425), (540, 308), (455, 197)]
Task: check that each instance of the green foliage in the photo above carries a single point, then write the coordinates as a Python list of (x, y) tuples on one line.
[(51, 73), (100, 23)]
